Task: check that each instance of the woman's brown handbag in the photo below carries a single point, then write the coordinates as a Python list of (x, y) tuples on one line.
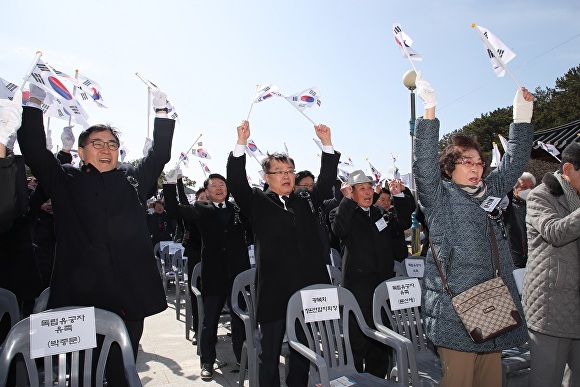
[(488, 309)]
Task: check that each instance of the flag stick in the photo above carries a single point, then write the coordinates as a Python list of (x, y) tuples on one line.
[(189, 150), (74, 92), (148, 109), (252, 105), (494, 52), (144, 80), (202, 169), (36, 58), (308, 118)]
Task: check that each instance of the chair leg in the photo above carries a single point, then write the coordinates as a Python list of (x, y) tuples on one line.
[(243, 364)]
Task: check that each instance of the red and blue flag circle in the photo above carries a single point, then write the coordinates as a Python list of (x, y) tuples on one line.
[(59, 88), (306, 98)]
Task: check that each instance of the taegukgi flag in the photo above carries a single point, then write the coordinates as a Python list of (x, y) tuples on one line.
[(309, 98), (405, 42), (500, 50)]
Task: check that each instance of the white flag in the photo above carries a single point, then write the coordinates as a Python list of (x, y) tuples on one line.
[(63, 104), (495, 156), (123, 151), (63, 109), (378, 176), (205, 168), (319, 144), (90, 90), (7, 89), (265, 92), (306, 99), (254, 151), (499, 50), (551, 149), (200, 151), (504, 142), (405, 42)]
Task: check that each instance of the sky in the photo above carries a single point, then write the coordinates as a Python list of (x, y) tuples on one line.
[(208, 56)]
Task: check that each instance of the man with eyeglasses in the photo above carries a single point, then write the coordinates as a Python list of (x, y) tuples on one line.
[(103, 252), (289, 252)]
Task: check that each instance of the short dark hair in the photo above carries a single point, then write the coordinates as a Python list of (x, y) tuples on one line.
[(571, 154), (278, 156), (303, 174), (84, 136), (385, 190), (458, 144), (159, 202), (198, 192), (213, 176)]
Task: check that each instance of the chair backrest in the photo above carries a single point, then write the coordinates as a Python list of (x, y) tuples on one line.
[(406, 322), (68, 365), (41, 301), (330, 339), (335, 258), (8, 307), (335, 275), (157, 250)]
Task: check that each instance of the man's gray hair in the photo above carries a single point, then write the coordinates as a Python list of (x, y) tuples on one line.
[(526, 176)]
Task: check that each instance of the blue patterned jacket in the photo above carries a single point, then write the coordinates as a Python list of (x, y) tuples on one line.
[(461, 237)]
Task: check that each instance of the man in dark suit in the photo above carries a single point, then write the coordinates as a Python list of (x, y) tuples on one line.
[(289, 252), (225, 233), (367, 258)]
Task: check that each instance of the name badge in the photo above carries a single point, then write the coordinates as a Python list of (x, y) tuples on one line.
[(381, 224), (490, 203)]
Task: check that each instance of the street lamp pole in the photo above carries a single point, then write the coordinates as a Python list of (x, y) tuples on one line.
[(409, 81)]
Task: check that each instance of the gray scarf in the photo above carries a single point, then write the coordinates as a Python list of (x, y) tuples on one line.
[(569, 192), (475, 191)]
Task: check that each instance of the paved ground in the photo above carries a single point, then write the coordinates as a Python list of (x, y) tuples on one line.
[(167, 358)]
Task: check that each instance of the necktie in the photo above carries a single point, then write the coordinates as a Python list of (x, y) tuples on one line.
[(220, 206), (284, 201)]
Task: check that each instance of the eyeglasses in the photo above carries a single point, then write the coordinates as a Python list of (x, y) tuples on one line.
[(100, 144), (470, 164), (308, 186), (282, 173)]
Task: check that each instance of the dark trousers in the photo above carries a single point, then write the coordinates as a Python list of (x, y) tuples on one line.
[(369, 355), (212, 307), (271, 343)]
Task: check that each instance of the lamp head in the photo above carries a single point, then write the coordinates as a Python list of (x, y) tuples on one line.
[(409, 79)]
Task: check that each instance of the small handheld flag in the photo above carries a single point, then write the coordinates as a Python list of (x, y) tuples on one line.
[(499, 54)]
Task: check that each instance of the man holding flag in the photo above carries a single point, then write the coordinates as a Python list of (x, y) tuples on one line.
[(289, 252), (103, 253)]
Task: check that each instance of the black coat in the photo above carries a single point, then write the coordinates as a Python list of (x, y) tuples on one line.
[(224, 251), (367, 253), (288, 249), (104, 253), (8, 191)]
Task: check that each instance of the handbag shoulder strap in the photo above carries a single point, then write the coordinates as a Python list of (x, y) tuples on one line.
[(443, 279), (495, 253), (494, 248)]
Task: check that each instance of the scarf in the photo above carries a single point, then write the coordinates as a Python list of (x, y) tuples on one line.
[(569, 192), (474, 191)]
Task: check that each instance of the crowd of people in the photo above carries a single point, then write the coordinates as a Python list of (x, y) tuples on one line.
[(88, 235)]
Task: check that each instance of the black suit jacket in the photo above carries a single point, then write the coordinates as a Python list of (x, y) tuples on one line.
[(103, 252), (224, 252), (367, 253), (288, 249)]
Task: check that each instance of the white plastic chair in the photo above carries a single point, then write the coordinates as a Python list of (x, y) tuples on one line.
[(41, 302), (424, 364), (9, 307), (335, 275), (68, 365), (328, 342), (195, 279), (179, 266)]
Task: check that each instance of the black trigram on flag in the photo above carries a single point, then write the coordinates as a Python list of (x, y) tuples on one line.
[(42, 67), (11, 86), (38, 78), (318, 102), (75, 109), (499, 53), (87, 83), (312, 93), (44, 108), (84, 96), (397, 30), (174, 116)]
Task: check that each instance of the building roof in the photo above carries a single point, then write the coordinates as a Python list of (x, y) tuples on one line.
[(560, 137)]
